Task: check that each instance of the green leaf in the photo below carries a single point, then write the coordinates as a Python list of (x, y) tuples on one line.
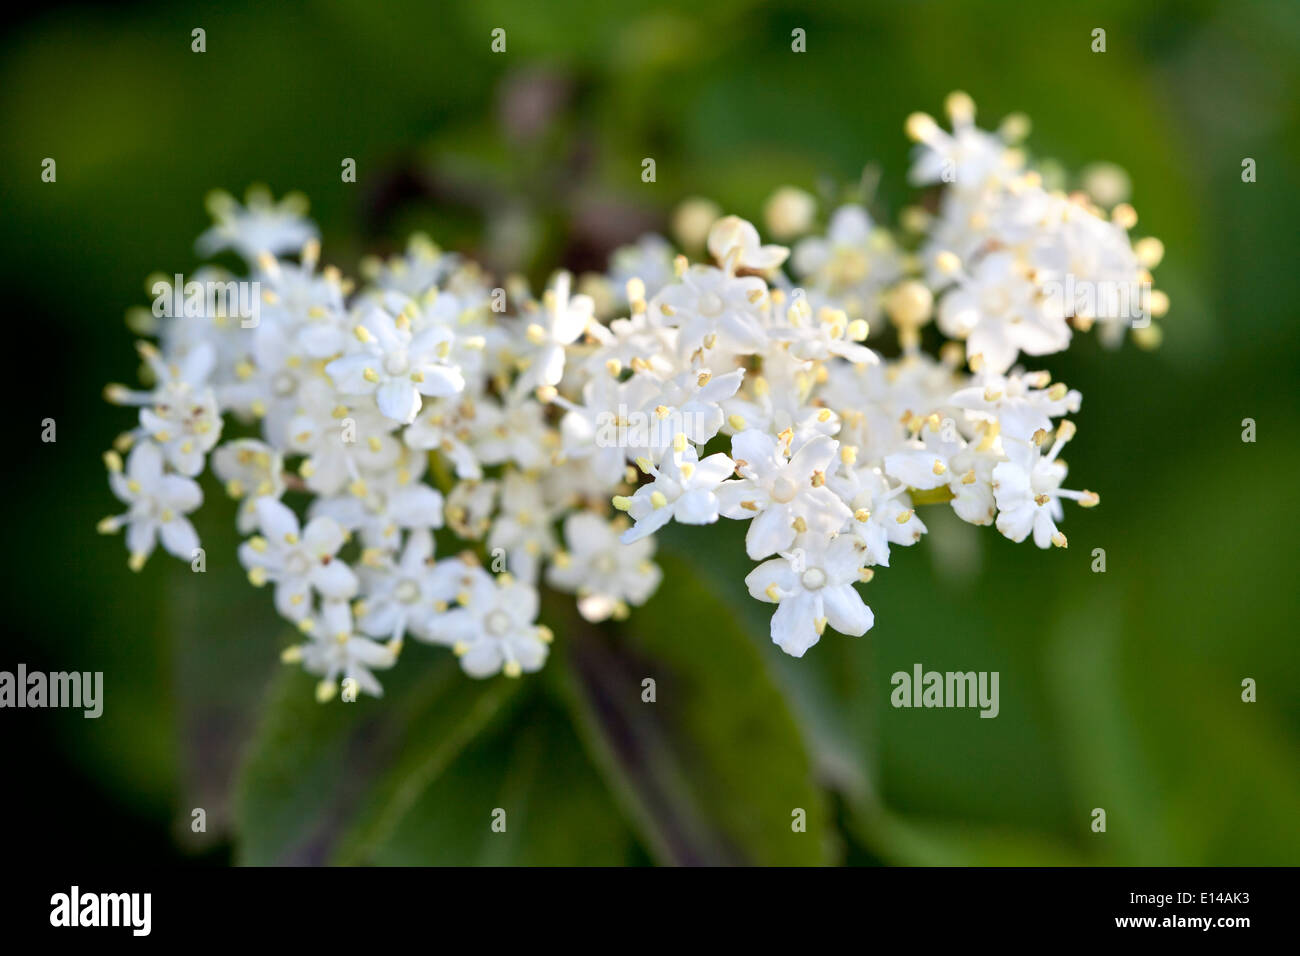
[(326, 782), (714, 770), (829, 690), (414, 778), (524, 794)]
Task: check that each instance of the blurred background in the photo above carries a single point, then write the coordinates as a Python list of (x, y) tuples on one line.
[(1119, 690)]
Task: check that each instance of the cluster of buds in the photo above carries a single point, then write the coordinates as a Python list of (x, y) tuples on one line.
[(552, 436)]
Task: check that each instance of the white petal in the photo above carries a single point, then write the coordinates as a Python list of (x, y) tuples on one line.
[(399, 400)]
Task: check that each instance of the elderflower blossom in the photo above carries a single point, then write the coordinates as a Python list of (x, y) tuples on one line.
[(546, 439)]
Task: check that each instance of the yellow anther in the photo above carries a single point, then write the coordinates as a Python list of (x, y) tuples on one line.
[(920, 126)]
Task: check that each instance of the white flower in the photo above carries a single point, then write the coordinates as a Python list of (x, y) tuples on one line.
[(715, 310), (968, 157), (300, 563), (965, 468), (650, 261), (338, 438), (250, 470), (1027, 487), (422, 267), (826, 334), (733, 242), (262, 225), (563, 319), (448, 425), (784, 494), (1020, 404), (181, 413), (158, 503), (335, 650), (494, 630), (813, 588), (997, 309), (543, 417), (386, 504), (683, 489), (407, 595), (606, 574), (687, 405), (470, 506), (779, 399), (397, 365), (514, 431), (522, 529), (882, 514), (854, 255)]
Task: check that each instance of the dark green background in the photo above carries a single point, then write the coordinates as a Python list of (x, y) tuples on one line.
[(1118, 690)]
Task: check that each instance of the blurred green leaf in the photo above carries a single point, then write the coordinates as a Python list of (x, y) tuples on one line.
[(324, 781), (531, 777), (713, 770)]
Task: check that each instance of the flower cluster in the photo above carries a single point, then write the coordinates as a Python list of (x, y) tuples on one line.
[(552, 436)]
